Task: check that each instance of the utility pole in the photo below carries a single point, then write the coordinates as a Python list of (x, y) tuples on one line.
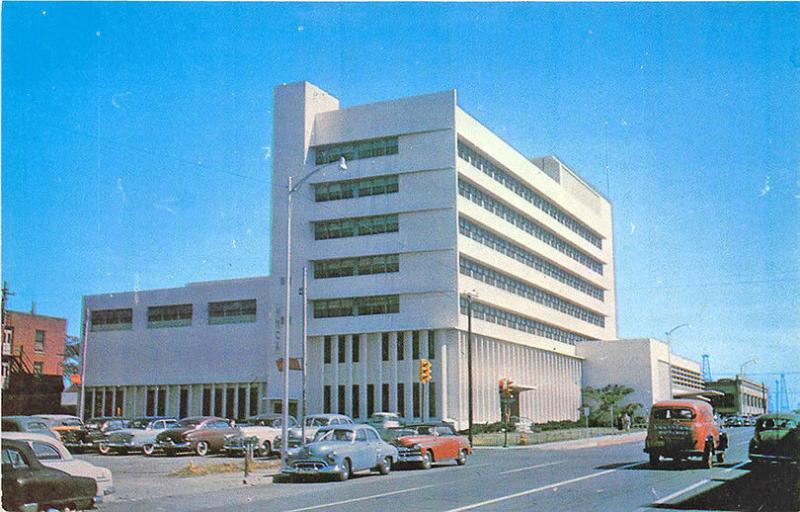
[(6, 293)]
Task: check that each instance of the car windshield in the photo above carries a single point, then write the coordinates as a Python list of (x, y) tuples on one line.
[(675, 413), (69, 422), (335, 435), (317, 422), (188, 423), (775, 424), (140, 424)]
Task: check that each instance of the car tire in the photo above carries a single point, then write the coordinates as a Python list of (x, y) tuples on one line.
[(385, 466), (462, 457), (654, 460), (148, 450), (720, 457), (344, 474), (426, 461), (201, 448), (265, 450), (103, 449)]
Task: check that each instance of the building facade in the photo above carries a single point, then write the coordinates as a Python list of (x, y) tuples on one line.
[(33, 355), (741, 396), (643, 364), (205, 348), (434, 206)]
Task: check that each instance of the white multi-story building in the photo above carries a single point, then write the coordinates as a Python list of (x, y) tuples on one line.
[(433, 206)]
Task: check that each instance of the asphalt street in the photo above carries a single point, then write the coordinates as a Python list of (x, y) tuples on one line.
[(615, 477)]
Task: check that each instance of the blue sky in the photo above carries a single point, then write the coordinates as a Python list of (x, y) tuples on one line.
[(136, 142)]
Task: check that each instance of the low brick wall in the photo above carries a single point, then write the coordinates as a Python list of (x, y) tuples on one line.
[(520, 438)]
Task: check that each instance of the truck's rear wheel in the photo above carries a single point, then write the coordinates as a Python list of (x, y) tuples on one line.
[(654, 460)]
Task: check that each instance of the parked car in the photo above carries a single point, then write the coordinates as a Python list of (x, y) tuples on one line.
[(522, 424), (339, 451), (261, 430), (313, 423), (381, 420), (425, 444), (199, 434), (52, 453), (100, 427), (680, 429), (70, 430), (776, 440), (140, 435), (28, 485), (27, 424)]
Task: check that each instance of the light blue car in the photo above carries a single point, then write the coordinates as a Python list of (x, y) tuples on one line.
[(341, 450)]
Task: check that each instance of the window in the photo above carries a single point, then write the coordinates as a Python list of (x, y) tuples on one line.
[(38, 369), (14, 457), (415, 345), (356, 400), (356, 150), (373, 437), (417, 398), (356, 348), (384, 397), (481, 162), (361, 435), (356, 306), (401, 399), (523, 222), (401, 347), (431, 344), (342, 346), (8, 336), (358, 226), (336, 190), (111, 319), (38, 344), (341, 400), (370, 399), (328, 349), (169, 316), (385, 346), (45, 451), (232, 312), (361, 266), (327, 402), (432, 401)]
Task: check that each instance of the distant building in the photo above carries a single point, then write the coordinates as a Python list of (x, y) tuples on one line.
[(642, 364), (205, 348), (742, 396), (33, 349)]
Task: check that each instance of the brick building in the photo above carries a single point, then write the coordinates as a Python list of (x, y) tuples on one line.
[(33, 355)]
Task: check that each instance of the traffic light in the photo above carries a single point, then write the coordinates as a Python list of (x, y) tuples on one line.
[(424, 371)]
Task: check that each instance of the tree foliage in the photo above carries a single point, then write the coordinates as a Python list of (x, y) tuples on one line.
[(601, 401)]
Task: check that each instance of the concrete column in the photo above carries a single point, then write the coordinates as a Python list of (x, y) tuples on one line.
[(378, 359), (442, 386), (189, 402), (213, 406), (103, 390), (348, 375), (224, 410), (393, 372), (236, 400), (334, 374), (114, 401), (247, 399), (409, 374), (167, 400), (364, 365), (423, 354)]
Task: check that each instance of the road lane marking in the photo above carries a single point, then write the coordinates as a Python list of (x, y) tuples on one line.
[(343, 502), (532, 467), (737, 466), (682, 491), (540, 489)]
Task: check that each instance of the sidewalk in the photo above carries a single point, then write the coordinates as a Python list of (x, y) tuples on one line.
[(577, 444)]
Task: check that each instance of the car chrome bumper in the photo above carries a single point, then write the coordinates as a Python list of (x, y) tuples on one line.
[(120, 444), (172, 445), (312, 468)]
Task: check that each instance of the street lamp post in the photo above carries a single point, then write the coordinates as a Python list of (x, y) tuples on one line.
[(292, 188), (469, 363), (669, 354), (741, 367)]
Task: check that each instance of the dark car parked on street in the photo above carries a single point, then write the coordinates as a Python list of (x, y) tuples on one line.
[(29, 486), (99, 428), (200, 434), (776, 440), (70, 429), (27, 424)]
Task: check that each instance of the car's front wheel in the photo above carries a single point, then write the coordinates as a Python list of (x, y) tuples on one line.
[(462, 457), (426, 461), (266, 449), (385, 466), (148, 449), (201, 448), (344, 474), (103, 448)]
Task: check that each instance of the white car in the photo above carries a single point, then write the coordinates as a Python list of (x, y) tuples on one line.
[(313, 423), (54, 454), (261, 430), (139, 436)]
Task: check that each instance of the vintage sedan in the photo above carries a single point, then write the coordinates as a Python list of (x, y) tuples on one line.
[(776, 440), (425, 444), (200, 434), (139, 436), (313, 423), (340, 451), (54, 454), (29, 486), (27, 424), (381, 420), (70, 430), (99, 429), (261, 431)]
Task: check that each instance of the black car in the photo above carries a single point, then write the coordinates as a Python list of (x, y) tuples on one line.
[(29, 486), (27, 424), (98, 428)]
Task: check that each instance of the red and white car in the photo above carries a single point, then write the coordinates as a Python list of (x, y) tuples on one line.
[(424, 444)]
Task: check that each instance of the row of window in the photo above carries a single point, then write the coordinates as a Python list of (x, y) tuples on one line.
[(174, 315), (481, 162), (38, 340), (356, 306), (357, 226), (484, 200), (477, 271), (376, 185), (230, 402), (385, 340), (360, 266), (355, 397), (687, 378), (512, 250), (356, 150), (498, 316)]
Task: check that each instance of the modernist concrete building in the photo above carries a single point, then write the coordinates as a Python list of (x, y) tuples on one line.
[(206, 348), (742, 396), (642, 364), (434, 205)]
